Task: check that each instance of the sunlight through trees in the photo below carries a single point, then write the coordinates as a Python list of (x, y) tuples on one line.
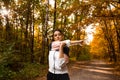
[(26, 29)]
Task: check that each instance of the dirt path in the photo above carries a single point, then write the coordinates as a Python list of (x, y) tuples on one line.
[(93, 70)]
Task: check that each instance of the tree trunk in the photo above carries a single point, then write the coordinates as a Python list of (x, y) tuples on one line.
[(44, 33), (117, 28), (54, 25), (109, 38)]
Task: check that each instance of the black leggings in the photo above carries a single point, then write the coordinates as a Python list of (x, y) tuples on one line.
[(51, 76)]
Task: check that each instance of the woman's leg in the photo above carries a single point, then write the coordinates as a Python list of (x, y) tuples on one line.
[(63, 77), (50, 76)]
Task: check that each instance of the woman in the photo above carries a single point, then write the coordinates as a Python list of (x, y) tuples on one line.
[(59, 56)]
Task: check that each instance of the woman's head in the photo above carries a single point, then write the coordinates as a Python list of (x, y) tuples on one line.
[(58, 35)]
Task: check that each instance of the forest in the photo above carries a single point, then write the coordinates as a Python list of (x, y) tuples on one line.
[(26, 29)]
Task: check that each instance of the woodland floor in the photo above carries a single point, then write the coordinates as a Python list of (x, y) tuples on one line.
[(91, 70)]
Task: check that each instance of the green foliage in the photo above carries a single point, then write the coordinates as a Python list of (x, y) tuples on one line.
[(84, 57), (83, 53), (12, 68), (5, 73), (30, 71), (5, 60)]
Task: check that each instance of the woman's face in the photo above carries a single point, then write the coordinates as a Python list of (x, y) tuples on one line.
[(58, 36)]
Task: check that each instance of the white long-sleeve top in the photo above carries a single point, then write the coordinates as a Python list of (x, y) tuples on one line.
[(57, 65)]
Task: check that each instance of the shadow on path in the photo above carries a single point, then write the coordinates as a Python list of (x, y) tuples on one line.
[(93, 70)]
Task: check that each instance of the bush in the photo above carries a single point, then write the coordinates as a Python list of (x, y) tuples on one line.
[(12, 67), (30, 71), (84, 57)]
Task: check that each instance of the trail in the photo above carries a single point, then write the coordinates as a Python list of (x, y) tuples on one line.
[(90, 70), (93, 70)]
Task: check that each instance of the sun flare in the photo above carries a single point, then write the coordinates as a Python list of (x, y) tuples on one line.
[(4, 11), (89, 31)]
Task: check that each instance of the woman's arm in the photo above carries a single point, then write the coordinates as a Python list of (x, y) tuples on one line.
[(63, 58), (77, 42), (74, 42), (61, 49), (62, 54), (68, 43)]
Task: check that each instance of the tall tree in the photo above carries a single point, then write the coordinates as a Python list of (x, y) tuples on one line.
[(44, 32)]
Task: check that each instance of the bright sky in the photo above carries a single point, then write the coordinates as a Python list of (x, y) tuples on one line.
[(90, 31), (51, 2), (3, 11)]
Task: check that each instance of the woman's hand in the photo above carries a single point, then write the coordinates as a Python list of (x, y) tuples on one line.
[(62, 44), (77, 42), (81, 42)]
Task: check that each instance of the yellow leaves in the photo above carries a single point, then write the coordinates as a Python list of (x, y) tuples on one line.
[(98, 44)]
